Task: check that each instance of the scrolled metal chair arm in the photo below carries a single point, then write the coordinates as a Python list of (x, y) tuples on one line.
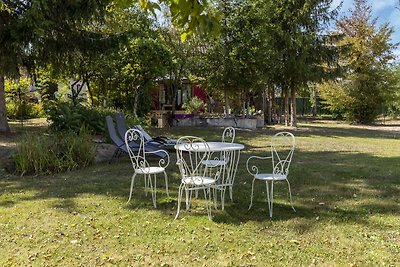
[(217, 175), (253, 170), (163, 162)]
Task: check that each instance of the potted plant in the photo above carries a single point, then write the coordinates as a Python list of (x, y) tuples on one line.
[(194, 106)]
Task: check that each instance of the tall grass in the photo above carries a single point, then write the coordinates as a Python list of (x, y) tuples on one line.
[(46, 154)]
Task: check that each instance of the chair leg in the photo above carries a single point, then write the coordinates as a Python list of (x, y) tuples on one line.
[(207, 197), (231, 192), (150, 183), (188, 198), (215, 198), (270, 197), (179, 200), (290, 195), (166, 183), (154, 191), (223, 198), (132, 182), (146, 184), (252, 190)]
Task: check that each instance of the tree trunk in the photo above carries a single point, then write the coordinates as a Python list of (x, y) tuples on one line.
[(248, 108), (293, 111), (243, 108), (135, 104), (274, 115), (174, 92), (91, 101), (287, 108), (75, 92), (269, 106), (226, 103), (281, 105), (4, 127), (264, 103), (314, 105)]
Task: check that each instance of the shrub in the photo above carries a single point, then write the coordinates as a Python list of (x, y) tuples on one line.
[(24, 110), (20, 102), (194, 105), (65, 117), (54, 153)]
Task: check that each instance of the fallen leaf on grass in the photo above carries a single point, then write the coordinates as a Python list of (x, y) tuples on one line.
[(294, 241)]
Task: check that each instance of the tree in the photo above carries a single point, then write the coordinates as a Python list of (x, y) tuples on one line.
[(34, 32), (45, 31), (232, 60), (192, 16), (181, 55), (368, 80), (301, 50), (393, 101), (144, 61)]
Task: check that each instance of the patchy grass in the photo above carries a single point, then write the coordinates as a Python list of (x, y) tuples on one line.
[(346, 185)]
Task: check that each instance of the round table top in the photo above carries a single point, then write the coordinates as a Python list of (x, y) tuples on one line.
[(213, 146)]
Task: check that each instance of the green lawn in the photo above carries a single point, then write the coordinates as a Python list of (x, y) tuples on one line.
[(345, 183)]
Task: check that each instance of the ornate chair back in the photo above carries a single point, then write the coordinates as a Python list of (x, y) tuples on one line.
[(137, 156), (191, 151), (282, 149), (228, 136)]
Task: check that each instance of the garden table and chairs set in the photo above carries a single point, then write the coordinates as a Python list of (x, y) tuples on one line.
[(205, 166)]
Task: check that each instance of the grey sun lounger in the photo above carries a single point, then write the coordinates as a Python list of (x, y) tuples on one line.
[(120, 144)]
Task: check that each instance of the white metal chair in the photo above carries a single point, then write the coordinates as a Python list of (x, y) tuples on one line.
[(282, 149), (191, 152), (228, 136), (142, 166), (224, 163)]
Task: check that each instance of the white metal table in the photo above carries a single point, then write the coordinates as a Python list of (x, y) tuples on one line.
[(228, 151)]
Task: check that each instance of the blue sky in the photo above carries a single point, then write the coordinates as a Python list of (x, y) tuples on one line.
[(383, 10)]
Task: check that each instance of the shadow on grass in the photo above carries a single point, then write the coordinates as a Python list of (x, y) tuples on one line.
[(327, 186)]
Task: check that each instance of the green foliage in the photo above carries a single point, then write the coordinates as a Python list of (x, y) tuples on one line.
[(191, 16), (280, 44), (65, 117), (123, 77), (46, 84), (75, 38), (24, 110), (369, 82), (234, 59), (334, 96), (21, 104), (194, 105), (54, 153), (392, 101)]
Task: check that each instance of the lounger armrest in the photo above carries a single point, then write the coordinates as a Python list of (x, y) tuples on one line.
[(164, 140), (252, 168), (154, 143)]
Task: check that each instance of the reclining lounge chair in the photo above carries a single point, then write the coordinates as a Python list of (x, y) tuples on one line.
[(165, 141), (120, 144), (161, 141)]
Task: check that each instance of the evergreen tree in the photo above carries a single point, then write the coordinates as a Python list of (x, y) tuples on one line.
[(368, 80), (301, 50)]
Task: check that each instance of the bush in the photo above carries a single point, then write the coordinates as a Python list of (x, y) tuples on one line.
[(24, 110), (194, 105), (20, 103), (54, 153), (65, 117)]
